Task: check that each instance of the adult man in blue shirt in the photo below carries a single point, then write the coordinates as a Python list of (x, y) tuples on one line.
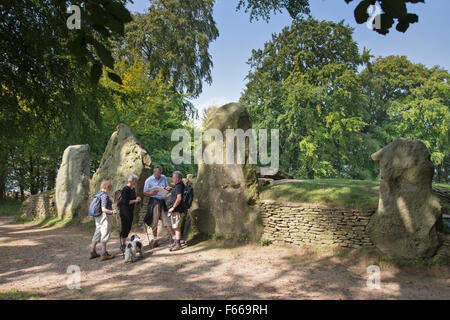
[(157, 208)]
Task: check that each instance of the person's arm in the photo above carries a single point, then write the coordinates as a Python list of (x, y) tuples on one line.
[(167, 186), (177, 202), (147, 186), (104, 201)]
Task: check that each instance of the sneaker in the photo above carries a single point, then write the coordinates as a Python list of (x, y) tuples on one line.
[(106, 256), (93, 255)]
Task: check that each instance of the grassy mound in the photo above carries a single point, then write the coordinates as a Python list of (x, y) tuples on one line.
[(354, 194)]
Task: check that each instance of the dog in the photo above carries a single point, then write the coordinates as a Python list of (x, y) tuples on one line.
[(133, 250)]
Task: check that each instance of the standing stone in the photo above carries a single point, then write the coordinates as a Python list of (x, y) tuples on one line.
[(72, 183), (225, 194), (408, 213), (124, 155)]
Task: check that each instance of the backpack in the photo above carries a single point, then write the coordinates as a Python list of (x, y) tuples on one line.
[(95, 207), (118, 197), (188, 196)]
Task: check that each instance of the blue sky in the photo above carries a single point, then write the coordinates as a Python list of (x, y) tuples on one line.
[(427, 42)]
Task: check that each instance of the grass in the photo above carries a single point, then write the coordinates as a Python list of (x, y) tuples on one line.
[(353, 194), (441, 185), (10, 207), (14, 294)]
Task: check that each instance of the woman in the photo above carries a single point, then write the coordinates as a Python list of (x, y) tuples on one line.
[(126, 206), (103, 223)]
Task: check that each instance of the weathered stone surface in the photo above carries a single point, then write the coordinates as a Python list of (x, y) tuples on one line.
[(408, 213), (225, 193), (124, 155), (72, 183), (39, 206)]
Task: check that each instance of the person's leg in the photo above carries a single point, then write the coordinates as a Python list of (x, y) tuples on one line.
[(156, 216), (106, 234), (96, 238), (123, 222), (176, 219)]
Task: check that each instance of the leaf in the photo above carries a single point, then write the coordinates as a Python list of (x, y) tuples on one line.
[(119, 12), (114, 77), (104, 54), (96, 72), (361, 15)]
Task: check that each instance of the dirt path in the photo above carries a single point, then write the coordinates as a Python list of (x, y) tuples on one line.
[(36, 259)]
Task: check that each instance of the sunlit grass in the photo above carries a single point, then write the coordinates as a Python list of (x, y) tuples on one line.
[(354, 194)]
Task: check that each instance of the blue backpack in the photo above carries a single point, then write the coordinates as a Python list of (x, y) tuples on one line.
[(95, 207)]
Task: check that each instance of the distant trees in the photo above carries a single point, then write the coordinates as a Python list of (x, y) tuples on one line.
[(305, 81)]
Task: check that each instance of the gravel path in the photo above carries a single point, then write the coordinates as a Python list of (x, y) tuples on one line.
[(36, 259)]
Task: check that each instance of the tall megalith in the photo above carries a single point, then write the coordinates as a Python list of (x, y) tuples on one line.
[(124, 155), (225, 192), (408, 213), (72, 183)]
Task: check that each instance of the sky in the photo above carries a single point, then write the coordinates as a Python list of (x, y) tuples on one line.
[(426, 42)]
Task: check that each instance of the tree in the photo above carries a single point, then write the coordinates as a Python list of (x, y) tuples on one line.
[(304, 82), (174, 36), (412, 101)]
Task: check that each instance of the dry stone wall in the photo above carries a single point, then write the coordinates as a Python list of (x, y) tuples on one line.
[(315, 224), (39, 206)]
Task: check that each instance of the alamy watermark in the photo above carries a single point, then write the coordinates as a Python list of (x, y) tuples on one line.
[(236, 147), (374, 277), (74, 20), (374, 20), (74, 279)]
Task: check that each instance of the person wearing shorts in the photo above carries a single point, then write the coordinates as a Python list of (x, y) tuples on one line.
[(176, 211), (103, 223)]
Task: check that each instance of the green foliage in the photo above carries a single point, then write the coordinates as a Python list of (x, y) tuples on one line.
[(173, 37), (264, 8), (353, 194), (10, 207), (304, 83), (264, 242), (150, 108), (331, 118)]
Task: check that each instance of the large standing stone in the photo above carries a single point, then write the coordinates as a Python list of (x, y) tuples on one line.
[(124, 155), (408, 213), (225, 193), (72, 183)]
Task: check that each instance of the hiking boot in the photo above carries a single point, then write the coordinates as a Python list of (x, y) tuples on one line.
[(154, 244), (106, 256), (176, 247), (93, 255)]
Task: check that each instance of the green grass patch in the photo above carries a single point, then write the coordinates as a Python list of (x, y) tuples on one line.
[(10, 207), (441, 185), (353, 194), (14, 294)]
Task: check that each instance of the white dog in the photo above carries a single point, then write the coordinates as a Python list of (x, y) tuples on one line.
[(134, 249)]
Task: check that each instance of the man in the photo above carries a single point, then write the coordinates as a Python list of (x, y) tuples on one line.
[(176, 210), (157, 204)]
